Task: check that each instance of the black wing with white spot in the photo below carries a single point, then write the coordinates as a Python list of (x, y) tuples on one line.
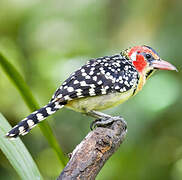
[(98, 77)]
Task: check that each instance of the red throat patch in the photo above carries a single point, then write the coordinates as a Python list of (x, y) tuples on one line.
[(140, 63)]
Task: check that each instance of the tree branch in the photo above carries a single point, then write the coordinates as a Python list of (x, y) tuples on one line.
[(91, 154)]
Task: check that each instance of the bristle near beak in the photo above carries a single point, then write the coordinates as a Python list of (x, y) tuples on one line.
[(161, 64)]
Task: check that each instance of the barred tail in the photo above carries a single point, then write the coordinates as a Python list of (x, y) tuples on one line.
[(24, 126)]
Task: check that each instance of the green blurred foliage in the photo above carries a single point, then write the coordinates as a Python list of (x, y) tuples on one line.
[(47, 40)]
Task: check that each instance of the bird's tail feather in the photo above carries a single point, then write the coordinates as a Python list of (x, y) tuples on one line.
[(24, 126)]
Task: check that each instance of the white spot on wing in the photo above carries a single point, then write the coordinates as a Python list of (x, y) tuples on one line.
[(66, 98), (99, 82), (92, 92), (76, 82), (60, 96), (95, 78), (70, 89), (83, 83)]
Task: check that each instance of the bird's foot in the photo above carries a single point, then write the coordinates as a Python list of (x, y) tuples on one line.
[(104, 120)]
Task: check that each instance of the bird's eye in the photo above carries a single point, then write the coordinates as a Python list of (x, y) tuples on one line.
[(148, 56)]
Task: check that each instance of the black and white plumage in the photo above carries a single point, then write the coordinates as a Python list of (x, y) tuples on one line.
[(99, 77), (101, 83)]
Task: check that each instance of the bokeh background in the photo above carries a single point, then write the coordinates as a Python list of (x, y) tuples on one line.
[(47, 40)]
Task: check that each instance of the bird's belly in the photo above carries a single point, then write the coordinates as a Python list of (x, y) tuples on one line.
[(98, 102)]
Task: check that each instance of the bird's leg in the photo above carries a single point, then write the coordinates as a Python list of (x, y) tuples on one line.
[(104, 120), (97, 114)]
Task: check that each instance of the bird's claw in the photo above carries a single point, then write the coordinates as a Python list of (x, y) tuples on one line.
[(104, 122)]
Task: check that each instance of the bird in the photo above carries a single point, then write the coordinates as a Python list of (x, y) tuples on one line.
[(101, 83)]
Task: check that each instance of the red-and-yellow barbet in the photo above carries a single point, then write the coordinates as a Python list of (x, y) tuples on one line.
[(99, 84)]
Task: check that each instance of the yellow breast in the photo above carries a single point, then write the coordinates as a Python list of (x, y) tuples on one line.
[(99, 102)]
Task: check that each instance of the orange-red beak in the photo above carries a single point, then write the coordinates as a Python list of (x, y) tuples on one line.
[(161, 64)]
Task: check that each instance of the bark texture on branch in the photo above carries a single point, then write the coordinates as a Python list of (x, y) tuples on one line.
[(91, 154)]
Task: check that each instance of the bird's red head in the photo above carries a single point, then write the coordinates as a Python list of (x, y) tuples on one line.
[(145, 59)]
